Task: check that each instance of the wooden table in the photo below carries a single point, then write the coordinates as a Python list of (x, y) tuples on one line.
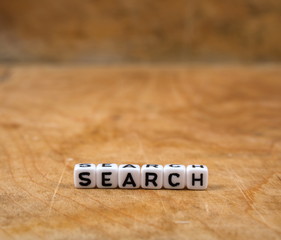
[(225, 116)]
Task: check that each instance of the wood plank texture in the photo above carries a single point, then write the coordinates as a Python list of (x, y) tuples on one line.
[(140, 31), (227, 117)]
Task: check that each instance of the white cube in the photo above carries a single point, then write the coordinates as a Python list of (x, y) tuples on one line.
[(107, 175), (129, 176), (174, 176), (197, 177), (152, 176), (84, 175)]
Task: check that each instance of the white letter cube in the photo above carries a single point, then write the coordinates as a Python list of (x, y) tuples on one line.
[(107, 175), (197, 177), (129, 176), (84, 175), (174, 176), (152, 176)]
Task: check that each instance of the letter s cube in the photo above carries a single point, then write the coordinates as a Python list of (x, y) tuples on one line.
[(84, 175)]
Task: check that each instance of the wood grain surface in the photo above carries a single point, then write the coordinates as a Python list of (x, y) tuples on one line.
[(227, 117), (139, 31)]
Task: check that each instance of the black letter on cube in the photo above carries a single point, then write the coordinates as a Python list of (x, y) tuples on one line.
[(129, 181), (152, 180), (104, 180), (87, 180), (173, 184)]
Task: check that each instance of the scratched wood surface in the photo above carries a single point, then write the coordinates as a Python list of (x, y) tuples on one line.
[(227, 117)]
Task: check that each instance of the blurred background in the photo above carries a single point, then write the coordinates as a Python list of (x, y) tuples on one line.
[(122, 31)]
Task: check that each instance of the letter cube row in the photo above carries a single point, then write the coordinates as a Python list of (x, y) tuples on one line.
[(149, 176)]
